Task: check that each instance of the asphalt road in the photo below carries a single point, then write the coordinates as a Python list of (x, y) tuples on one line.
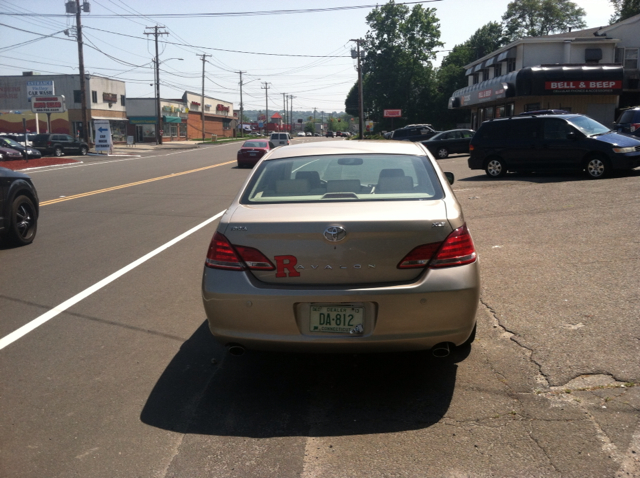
[(125, 380)]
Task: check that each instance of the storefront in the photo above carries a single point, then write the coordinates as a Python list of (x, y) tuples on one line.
[(593, 90)]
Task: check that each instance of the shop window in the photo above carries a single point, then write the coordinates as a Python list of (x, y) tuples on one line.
[(532, 107), (226, 124), (77, 96), (509, 109), (511, 65), (488, 113), (631, 58), (500, 110), (94, 96), (122, 100), (183, 129), (485, 74)]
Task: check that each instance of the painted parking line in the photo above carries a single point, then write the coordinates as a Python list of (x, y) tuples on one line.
[(122, 186), (47, 316)]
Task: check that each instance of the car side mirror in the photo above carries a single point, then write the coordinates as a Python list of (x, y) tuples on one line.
[(450, 177)]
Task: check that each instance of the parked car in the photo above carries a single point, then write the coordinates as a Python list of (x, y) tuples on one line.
[(19, 207), (59, 144), (280, 139), (308, 133), (28, 152), (301, 133), (629, 122), (343, 247), (251, 152), (331, 134), (453, 141), (417, 132), (7, 154), (552, 142)]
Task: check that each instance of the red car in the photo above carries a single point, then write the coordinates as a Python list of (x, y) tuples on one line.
[(252, 150)]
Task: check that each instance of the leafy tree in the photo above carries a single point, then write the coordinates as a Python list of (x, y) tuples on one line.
[(397, 67), (529, 18), (624, 9)]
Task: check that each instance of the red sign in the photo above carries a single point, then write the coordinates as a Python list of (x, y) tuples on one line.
[(195, 103), (582, 85), (220, 107), (392, 113), (48, 104)]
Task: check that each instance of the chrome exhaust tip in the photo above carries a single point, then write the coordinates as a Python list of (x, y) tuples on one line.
[(441, 350), (235, 349)]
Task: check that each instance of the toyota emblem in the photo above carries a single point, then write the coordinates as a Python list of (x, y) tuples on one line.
[(335, 233)]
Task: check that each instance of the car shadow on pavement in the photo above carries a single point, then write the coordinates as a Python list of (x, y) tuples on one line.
[(263, 395), (550, 177)]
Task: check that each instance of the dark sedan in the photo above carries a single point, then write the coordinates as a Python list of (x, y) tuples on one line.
[(29, 152), (251, 152), (449, 142), (19, 207)]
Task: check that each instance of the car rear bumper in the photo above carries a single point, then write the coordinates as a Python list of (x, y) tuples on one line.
[(439, 307)]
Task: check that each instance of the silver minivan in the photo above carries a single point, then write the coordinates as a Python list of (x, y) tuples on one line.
[(280, 139)]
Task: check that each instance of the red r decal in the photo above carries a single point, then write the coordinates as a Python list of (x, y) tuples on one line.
[(286, 264)]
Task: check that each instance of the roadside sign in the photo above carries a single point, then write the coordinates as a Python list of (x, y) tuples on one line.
[(104, 143), (392, 113), (48, 104), (40, 88)]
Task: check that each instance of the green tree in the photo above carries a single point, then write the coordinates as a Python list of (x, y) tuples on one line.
[(532, 18), (397, 67), (624, 9)]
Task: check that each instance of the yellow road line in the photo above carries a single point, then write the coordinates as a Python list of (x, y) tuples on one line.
[(137, 183)]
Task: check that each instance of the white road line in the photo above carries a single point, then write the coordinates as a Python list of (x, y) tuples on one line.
[(35, 323)]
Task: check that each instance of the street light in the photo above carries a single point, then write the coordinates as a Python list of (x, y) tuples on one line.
[(157, 67)]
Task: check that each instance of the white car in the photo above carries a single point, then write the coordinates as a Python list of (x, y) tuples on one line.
[(301, 133)]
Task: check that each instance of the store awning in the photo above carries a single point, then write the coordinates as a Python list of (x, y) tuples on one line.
[(171, 119)]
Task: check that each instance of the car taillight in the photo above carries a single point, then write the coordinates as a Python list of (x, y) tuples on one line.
[(223, 255), (456, 250), (470, 148), (49, 143), (634, 126), (420, 256)]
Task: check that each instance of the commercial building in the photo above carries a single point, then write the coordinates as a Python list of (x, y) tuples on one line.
[(218, 116), (592, 71), (106, 100), (142, 116)]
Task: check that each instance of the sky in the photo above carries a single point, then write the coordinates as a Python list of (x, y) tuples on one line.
[(306, 55)]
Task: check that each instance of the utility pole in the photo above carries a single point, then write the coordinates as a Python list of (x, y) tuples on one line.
[(284, 109), (241, 107), (83, 86), (360, 101), (291, 97), (156, 33), (204, 59), (266, 97)]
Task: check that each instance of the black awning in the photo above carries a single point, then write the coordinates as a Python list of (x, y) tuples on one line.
[(570, 80), (543, 80)]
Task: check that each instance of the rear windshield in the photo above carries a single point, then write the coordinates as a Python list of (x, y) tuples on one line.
[(367, 177), (254, 144), (630, 116)]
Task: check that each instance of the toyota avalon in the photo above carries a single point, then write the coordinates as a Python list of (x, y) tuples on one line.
[(356, 246)]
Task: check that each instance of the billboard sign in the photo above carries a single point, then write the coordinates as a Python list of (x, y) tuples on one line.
[(48, 104), (392, 113), (40, 88)]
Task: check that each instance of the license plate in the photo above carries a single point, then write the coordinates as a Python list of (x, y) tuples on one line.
[(336, 319)]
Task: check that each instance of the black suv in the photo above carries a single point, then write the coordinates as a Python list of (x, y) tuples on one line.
[(629, 122), (19, 207), (551, 142), (59, 144), (414, 132)]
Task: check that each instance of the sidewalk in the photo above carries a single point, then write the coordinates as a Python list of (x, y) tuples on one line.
[(152, 146)]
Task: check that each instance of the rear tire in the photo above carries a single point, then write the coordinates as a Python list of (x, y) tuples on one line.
[(495, 168), (83, 151), (58, 151), (597, 167), (23, 222), (443, 153)]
